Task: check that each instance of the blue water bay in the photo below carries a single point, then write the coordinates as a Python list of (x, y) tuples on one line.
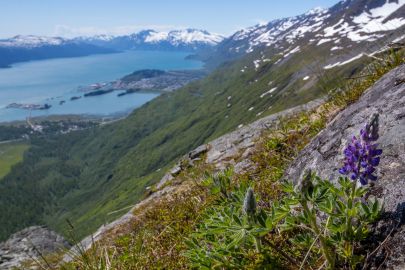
[(51, 81)]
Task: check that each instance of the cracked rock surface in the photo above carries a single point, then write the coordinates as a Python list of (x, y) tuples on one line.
[(28, 244)]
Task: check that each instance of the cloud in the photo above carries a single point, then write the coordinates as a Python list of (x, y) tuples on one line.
[(68, 31)]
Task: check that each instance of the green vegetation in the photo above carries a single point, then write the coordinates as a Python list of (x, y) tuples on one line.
[(159, 236), (85, 175), (10, 155), (8, 133), (142, 74)]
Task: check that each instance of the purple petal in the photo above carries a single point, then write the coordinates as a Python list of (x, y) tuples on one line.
[(372, 177), (363, 180), (375, 161)]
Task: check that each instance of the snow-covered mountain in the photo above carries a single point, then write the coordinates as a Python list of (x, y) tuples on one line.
[(187, 39), (31, 41), (24, 48), (27, 48), (348, 24)]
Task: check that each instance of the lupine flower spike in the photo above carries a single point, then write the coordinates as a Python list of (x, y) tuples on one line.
[(249, 204), (362, 155)]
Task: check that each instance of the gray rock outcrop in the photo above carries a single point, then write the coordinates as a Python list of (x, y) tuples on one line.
[(324, 156), (223, 151), (28, 244)]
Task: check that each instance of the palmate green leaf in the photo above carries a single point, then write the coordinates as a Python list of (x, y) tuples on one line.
[(344, 182), (262, 218), (237, 219), (289, 223), (215, 190), (237, 239), (260, 231), (284, 227), (336, 228), (192, 243), (352, 212), (269, 223), (290, 201), (376, 208), (327, 205), (287, 187), (365, 209), (279, 215), (340, 207), (304, 240), (360, 192), (207, 182), (360, 233), (319, 195)]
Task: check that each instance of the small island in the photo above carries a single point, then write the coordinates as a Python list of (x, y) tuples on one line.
[(144, 80), (27, 106)]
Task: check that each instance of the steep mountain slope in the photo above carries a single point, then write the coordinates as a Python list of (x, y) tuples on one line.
[(86, 176), (349, 25), (260, 153)]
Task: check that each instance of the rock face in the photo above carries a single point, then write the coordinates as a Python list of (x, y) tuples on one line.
[(28, 244), (223, 151), (241, 142), (324, 155)]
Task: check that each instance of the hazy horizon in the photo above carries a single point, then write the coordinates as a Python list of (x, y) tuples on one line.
[(73, 18)]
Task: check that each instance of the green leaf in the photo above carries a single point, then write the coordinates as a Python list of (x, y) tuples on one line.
[(237, 219)]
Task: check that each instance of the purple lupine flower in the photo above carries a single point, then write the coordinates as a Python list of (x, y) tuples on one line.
[(362, 155)]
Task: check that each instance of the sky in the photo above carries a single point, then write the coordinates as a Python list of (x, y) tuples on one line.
[(69, 18)]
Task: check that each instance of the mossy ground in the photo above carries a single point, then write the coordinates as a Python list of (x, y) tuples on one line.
[(11, 154)]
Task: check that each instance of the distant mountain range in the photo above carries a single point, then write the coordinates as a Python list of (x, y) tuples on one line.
[(345, 25), (183, 40), (26, 48)]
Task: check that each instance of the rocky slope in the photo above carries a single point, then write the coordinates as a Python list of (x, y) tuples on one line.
[(322, 154), (30, 244), (232, 149)]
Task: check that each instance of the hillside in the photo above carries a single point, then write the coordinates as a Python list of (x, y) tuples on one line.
[(195, 219), (360, 26), (85, 176)]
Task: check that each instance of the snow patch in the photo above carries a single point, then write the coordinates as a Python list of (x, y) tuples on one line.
[(257, 63), (324, 40), (296, 49), (344, 63), (31, 41), (268, 92)]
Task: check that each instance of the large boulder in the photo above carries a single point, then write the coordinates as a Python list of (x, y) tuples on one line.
[(29, 244), (324, 156)]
